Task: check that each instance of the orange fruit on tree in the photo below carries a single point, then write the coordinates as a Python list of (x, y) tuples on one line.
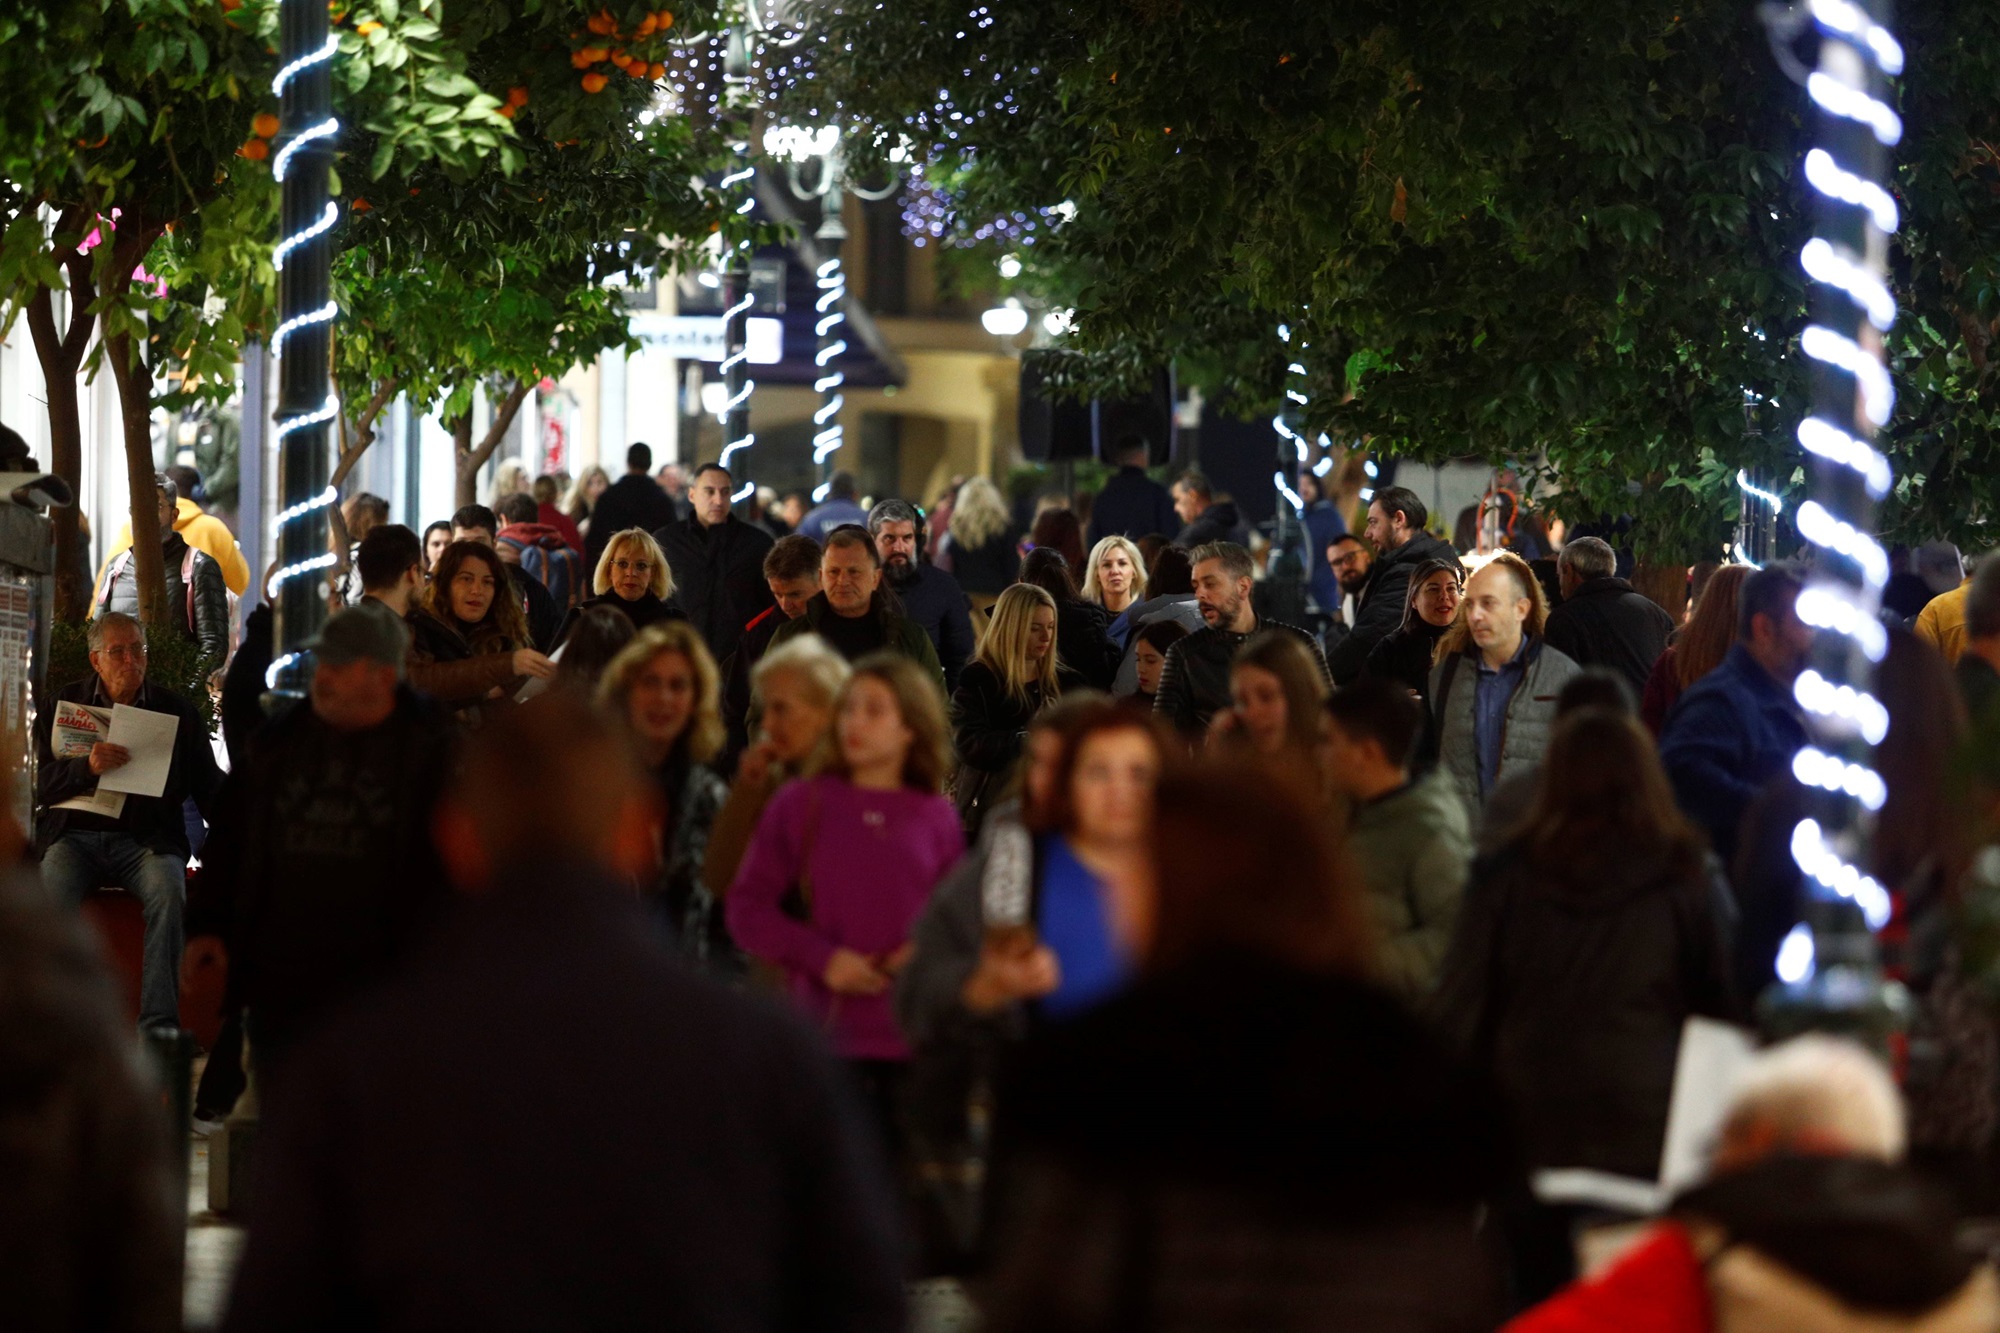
[(637, 69), (666, 18), (580, 59), (256, 150), (594, 54), (369, 26), (517, 96), (507, 112), (647, 26), (656, 70), (360, 206), (594, 83), (264, 125), (601, 22), (231, 6)]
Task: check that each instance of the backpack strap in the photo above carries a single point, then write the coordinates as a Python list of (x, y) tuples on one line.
[(111, 576), (187, 581)]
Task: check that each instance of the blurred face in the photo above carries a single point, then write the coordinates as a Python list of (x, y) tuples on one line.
[(792, 595), (1259, 698), (631, 571), (1041, 633), (472, 591), (1044, 753), (848, 577), (1218, 597), (1149, 660), (794, 717), (1495, 610), (434, 546), (1187, 504), (792, 509), (897, 545), (165, 509), (594, 486), (710, 498), (1114, 574), (353, 695), (1437, 599), (121, 661), (661, 700), (1783, 646), (1111, 789), (671, 479), (481, 535), (872, 731), (1350, 563)]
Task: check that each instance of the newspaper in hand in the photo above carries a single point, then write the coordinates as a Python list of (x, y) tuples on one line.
[(77, 728)]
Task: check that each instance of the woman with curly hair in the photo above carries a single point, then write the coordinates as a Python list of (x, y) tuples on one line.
[(469, 645)]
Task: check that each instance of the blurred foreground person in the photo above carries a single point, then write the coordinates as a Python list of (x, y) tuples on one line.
[(1276, 689), (91, 1234), (703, 1166), (1804, 1223), (1252, 1135)]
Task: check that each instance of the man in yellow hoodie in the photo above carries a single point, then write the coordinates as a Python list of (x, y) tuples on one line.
[(201, 530)]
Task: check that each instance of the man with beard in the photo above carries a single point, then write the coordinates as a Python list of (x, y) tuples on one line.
[(1194, 683), (930, 596), (718, 562), (1396, 519), (1350, 562)]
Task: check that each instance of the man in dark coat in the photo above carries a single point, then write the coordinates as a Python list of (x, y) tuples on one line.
[(322, 852), (1604, 621), (1132, 504), (635, 500), (1194, 683), (717, 561), (1396, 519), (1204, 518), (930, 596), (197, 595), (1738, 727), (705, 1165), (791, 572)]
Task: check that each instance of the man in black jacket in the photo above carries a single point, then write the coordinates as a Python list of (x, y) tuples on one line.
[(1603, 621), (1205, 518), (1194, 684), (718, 562), (635, 500), (1132, 504), (322, 850), (1396, 519), (791, 572), (197, 595), (704, 1166), (930, 596), (141, 846), (477, 523)]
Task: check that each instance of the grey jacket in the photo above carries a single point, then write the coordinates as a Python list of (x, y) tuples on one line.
[(1412, 849), (1530, 715), (947, 940)]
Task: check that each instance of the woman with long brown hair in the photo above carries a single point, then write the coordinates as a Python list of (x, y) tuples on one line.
[(469, 645), (1698, 647)]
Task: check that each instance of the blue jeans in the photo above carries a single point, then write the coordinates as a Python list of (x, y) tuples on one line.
[(80, 862)]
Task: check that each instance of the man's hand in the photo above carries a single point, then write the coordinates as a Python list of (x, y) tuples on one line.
[(104, 756), (850, 973), (755, 765), (528, 662), (1008, 975)]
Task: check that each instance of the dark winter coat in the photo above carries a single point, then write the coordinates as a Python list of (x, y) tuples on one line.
[(415, 1170), (718, 576), (1607, 623), (243, 685), (202, 618), (635, 500), (1083, 642), (1220, 522), (1406, 657), (1194, 684), (1380, 607), (986, 570), (1575, 999), (1132, 504), (155, 822), (539, 605), (458, 670), (896, 633), (754, 642), (1322, 524), (643, 611), (1239, 1145), (935, 601), (1732, 732)]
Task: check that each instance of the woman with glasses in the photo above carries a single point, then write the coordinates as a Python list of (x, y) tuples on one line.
[(632, 577)]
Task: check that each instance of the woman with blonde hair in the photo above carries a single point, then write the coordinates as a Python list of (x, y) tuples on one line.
[(583, 492), (469, 644), (666, 689), (633, 577), (1115, 578), (1015, 674), (843, 863), (510, 478), (981, 550)]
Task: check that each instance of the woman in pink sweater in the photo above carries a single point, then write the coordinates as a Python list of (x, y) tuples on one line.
[(842, 863)]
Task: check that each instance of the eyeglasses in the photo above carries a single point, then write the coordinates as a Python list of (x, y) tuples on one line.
[(120, 651), (634, 566)]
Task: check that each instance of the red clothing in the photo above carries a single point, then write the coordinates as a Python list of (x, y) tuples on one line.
[(563, 524), (1657, 1286), (1663, 691)]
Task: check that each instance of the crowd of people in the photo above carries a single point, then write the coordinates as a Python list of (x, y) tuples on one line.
[(1149, 960)]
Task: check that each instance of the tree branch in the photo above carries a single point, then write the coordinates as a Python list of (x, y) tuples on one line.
[(363, 432)]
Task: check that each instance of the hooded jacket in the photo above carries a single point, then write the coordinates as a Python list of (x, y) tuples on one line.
[(1531, 715), (1412, 849), (1194, 684), (1379, 609), (544, 556)]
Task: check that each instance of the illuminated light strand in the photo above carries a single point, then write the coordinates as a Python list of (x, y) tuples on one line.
[(1823, 263), (1796, 956), (1818, 525), (1291, 496), (1770, 499), (323, 315), (326, 129), (1825, 607), (829, 436), (304, 63), (1878, 391), (1837, 182), (1823, 863), (1828, 441), (300, 422), (303, 567), (1850, 103), (1858, 708), (299, 238), (1850, 20), (1816, 768)]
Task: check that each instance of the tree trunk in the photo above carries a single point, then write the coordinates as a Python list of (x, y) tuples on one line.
[(354, 442), (1665, 584), (135, 408), (471, 458), (61, 357)]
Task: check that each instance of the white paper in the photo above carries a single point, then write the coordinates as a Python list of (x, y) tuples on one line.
[(150, 738), (110, 804), (536, 684), (1713, 1057), (77, 728)]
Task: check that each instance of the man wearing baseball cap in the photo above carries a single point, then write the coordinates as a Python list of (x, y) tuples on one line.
[(322, 855)]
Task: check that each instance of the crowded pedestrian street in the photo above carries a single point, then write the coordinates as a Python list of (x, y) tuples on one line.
[(1061, 668)]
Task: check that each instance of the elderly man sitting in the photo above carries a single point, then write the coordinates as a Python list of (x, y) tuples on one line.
[(1806, 1222), (136, 843)]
